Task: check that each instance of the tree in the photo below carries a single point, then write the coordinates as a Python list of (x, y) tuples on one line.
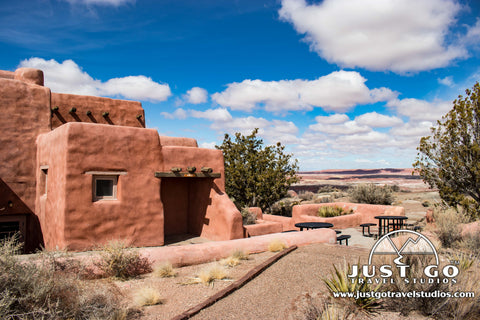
[(256, 176), (449, 159)]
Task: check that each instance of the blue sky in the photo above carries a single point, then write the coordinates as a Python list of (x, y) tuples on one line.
[(342, 83)]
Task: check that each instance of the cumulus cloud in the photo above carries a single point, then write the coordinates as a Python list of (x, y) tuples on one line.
[(401, 36), (421, 110), (447, 81), (68, 77), (338, 91), (377, 120), (196, 95), (115, 3), (338, 124)]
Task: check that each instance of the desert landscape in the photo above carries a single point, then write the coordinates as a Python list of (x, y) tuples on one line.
[(288, 288)]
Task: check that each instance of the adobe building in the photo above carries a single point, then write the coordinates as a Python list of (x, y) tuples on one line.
[(78, 171)]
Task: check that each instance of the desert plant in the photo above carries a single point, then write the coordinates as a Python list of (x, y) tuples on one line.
[(425, 305), (449, 158), (306, 195), (463, 260), (164, 270), (256, 175), (448, 228), (341, 283), (147, 296), (470, 242), (39, 290), (371, 194), (332, 211), (119, 261), (248, 217), (234, 259), (283, 207), (276, 245), (211, 273)]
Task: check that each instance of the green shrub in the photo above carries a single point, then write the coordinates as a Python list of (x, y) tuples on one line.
[(332, 211), (248, 217), (121, 262), (283, 207), (371, 194)]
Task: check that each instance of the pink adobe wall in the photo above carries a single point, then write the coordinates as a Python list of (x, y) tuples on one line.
[(363, 213), (178, 142), (207, 252), (50, 207), (25, 115), (135, 217), (121, 112)]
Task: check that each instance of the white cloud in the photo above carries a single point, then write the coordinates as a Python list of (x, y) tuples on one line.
[(447, 81), (415, 129), (68, 77), (421, 110), (177, 114), (216, 115), (401, 36), (115, 3), (196, 95), (338, 91), (377, 120), (208, 145), (332, 119)]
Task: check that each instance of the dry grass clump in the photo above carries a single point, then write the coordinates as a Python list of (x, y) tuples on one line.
[(208, 275), (147, 296), (39, 290), (119, 261), (212, 273), (276, 245), (234, 259), (164, 270)]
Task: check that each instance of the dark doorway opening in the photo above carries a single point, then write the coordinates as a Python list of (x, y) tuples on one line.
[(185, 202)]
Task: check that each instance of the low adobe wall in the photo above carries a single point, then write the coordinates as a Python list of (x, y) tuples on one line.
[(210, 251), (262, 227), (363, 213)]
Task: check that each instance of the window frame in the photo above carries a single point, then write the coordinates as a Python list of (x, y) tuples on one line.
[(111, 177)]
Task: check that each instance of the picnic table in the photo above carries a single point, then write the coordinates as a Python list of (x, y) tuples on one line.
[(387, 222), (313, 225)]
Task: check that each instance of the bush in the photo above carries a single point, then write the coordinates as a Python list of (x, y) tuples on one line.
[(306, 195), (426, 305), (448, 227), (371, 194), (283, 207), (332, 211), (119, 262), (36, 290), (248, 217)]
